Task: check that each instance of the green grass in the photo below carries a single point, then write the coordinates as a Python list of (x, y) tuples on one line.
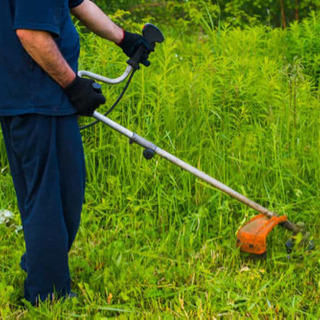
[(156, 243)]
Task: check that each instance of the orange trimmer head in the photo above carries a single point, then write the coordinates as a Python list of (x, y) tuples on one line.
[(252, 237)]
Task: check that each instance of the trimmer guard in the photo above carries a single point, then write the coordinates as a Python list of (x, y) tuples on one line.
[(252, 237)]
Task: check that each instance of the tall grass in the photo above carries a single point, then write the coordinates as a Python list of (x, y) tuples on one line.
[(242, 105)]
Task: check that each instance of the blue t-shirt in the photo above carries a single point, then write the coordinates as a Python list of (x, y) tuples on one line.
[(24, 86)]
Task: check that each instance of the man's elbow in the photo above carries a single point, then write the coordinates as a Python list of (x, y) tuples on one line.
[(24, 35)]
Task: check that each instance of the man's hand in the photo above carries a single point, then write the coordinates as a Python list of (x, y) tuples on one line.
[(130, 44), (85, 95)]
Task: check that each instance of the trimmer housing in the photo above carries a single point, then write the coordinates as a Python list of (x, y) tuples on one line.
[(252, 237)]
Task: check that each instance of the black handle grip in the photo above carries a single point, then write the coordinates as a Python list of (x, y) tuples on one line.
[(154, 35)]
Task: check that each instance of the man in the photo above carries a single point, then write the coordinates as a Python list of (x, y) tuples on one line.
[(40, 97)]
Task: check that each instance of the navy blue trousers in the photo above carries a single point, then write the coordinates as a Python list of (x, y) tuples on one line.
[(47, 165)]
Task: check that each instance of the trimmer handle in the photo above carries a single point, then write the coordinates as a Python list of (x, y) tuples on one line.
[(154, 35)]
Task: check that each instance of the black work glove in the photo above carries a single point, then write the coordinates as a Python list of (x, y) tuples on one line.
[(85, 95), (131, 42)]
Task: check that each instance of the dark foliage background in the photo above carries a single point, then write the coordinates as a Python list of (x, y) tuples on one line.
[(276, 13)]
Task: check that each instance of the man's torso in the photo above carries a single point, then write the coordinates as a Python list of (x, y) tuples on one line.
[(24, 86)]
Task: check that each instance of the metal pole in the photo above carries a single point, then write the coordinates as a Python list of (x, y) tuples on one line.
[(98, 77), (196, 172)]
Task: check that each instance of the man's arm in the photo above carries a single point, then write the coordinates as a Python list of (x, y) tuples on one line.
[(41, 46), (96, 21)]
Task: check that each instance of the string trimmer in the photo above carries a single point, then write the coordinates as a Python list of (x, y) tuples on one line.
[(252, 237)]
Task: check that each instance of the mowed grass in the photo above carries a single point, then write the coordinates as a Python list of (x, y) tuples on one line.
[(156, 243)]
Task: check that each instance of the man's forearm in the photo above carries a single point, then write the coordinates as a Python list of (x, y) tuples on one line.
[(42, 48), (96, 21)]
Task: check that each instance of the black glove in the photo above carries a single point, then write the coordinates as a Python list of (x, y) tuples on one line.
[(131, 42), (85, 95)]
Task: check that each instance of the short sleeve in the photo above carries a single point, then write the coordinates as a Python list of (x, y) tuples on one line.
[(44, 15), (74, 3)]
